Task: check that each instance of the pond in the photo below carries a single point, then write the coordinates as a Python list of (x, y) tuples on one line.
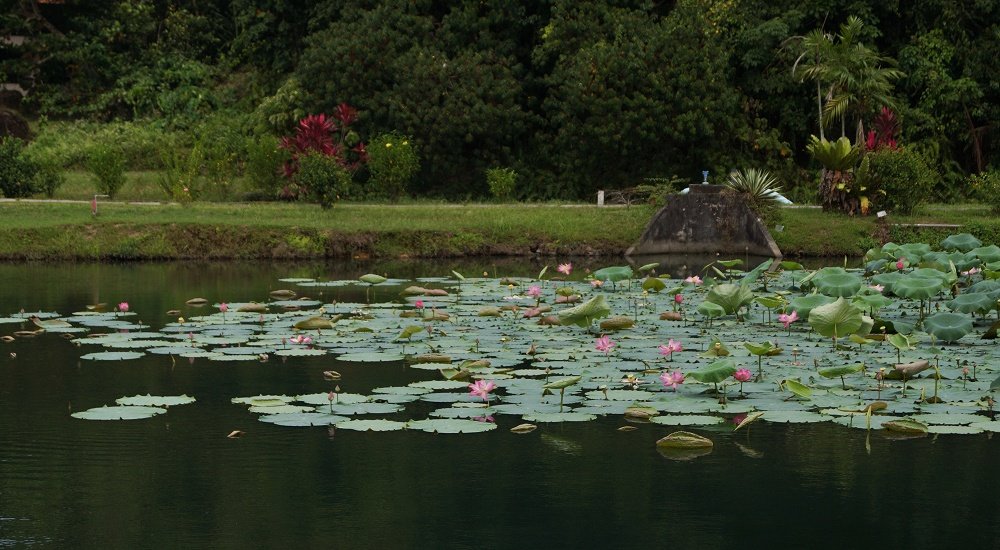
[(177, 480)]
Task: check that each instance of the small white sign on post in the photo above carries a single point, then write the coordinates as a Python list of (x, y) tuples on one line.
[(881, 213), (600, 198)]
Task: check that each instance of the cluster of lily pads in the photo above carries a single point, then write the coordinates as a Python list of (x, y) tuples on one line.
[(903, 343)]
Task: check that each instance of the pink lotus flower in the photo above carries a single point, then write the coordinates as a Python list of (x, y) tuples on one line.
[(672, 379), (123, 307), (972, 271), (596, 283), (482, 389), (742, 375), (223, 307), (669, 349), (789, 318), (535, 291), (899, 263), (565, 269), (419, 304), (878, 288), (678, 298), (694, 280), (604, 344)]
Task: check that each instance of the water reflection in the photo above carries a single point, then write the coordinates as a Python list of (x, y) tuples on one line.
[(178, 481)]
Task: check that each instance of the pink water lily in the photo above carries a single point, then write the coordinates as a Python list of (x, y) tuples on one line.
[(678, 298), (788, 318), (223, 307), (419, 304), (565, 268), (123, 307), (482, 389), (672, 379), (604, 344), (694, 280), (742, 375), (670, 348), (535, 291)]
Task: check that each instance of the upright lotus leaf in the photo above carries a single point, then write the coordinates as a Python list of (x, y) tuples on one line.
[(841, 372), (372, 279), (755, 273), (791, 266), (948, 327), (710, 310), (614, 273), (566, 291), (653, 284), (972, 302), (962, 241), (836, 281), (409, 331), (314, 323), (458, 275), (913, 252), (648, 267), (988, 287), (916, 287), (684, 440), (715, 372), (562, 383), (771, 302), (803, 305), (873, 301), (586, 313), (750, 419), (947, 276), (716, 349), (617, 322), (798, 388), (875, 266), (987, 254), (731, 297), (836, 320)]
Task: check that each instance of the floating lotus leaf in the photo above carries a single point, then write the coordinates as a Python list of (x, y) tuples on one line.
[(559, 417), (617, 322), (300, 352), (795, 417), (586, 313), (948, 327), (686, 420), (440, 385), (988, 426), (684, 440), (262, 400), (962, 241), (731, 297), (954, 430), (613, 274), (155, 400), (653, 284), (803, 305), (371, 425), (948, 418), (279, 409), (619, 395), (715, 372), (323, 398), (112, 355), (836, 281), (450, 426), (118, 413), (360, 408), (436, 358), (836, 320), (372, 279), (372, 357), (302, 419)]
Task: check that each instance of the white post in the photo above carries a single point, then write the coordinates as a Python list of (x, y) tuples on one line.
[(600, 198)]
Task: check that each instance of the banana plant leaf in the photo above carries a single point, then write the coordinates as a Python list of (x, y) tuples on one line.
[(586, 313), (948, 327)]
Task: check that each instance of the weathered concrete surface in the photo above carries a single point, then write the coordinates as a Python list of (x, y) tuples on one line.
[(706, 221)]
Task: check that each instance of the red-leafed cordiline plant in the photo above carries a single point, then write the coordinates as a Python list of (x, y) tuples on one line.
[(322, 149)]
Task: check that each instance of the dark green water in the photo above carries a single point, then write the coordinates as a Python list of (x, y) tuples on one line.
[(176, 481)]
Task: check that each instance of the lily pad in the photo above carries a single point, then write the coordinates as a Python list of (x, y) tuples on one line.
[(450, 426), (118, 413)]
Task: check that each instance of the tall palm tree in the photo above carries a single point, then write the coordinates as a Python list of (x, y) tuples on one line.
[(816, 49), (861, 79)]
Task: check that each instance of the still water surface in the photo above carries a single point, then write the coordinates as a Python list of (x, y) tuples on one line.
[(176, 481)]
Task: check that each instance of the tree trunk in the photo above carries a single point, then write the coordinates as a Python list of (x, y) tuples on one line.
[(819, 107)]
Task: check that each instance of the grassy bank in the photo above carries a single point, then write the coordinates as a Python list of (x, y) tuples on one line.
[(59, 230)]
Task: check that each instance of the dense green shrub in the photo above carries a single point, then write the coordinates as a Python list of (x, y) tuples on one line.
[(17, 171), (263, 165), (181, 178), (900, 177), (107, 163), (986, 187), (322, 178), (502, 182), (392, 161), (67, 143)]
